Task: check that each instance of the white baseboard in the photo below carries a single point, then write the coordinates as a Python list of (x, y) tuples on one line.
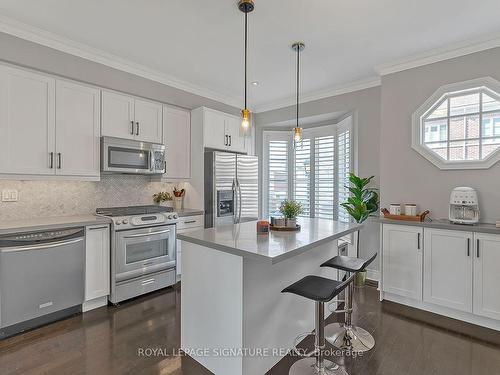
[(95, 303), (373, 275)]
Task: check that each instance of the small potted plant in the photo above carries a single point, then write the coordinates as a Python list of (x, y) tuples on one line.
[(362, 204), (163, 198), (290, 210)]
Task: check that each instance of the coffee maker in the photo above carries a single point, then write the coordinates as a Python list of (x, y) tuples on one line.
[(464, 206)]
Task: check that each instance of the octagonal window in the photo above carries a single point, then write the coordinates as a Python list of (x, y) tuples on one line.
[(459, 128)]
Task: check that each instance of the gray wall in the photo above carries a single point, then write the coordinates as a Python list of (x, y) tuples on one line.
[(365, 105), (405, 175)]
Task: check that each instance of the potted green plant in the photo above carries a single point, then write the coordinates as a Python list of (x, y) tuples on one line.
[(163, 198), (363, 203), (290, 210)]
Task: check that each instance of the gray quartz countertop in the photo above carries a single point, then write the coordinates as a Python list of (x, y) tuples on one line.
[(446, 224), (190, 212), (47, 223), (243, 240)]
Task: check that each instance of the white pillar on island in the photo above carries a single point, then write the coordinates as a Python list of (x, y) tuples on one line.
[(234, 318)]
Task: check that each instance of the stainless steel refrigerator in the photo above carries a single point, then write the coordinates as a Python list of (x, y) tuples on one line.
[(231, 188)]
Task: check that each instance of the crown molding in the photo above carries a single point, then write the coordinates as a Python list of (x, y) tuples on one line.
[(447, 52), (63, 44), (321, 94)]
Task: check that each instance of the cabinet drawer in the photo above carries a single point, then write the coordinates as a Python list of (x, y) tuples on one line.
[(145, 285), (190, 222)]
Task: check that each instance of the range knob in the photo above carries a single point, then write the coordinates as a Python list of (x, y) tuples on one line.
[(125, 221), (176, 216), (118, 222), (169, 217)]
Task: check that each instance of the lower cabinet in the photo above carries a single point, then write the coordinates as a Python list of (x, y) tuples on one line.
[(97, 266), (186, 224), (487, 275), (402, 260), (448, 257)]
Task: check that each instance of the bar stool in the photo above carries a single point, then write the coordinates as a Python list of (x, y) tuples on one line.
[(345, 335), (320, 290)]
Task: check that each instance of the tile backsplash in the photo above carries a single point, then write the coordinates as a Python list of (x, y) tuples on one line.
[(56, 198)]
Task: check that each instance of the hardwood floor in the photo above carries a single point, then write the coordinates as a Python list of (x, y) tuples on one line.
[(110, 340)]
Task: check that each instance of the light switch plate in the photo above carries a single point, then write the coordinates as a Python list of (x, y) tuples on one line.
[(10, 195)]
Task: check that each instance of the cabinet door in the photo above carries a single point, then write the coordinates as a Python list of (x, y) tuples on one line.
[(214, 130), (448, 268), (148, 121), (177, 140), (179, 243), (27, 122), (487, 275), (402, 260), (97, 272), (236, 141), (77, 135), (117, 115)]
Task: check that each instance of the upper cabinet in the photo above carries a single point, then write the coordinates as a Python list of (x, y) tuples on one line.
[(177, 140), (127, 117), (27, 122), (48, 126), (221, 131), (78, 130)]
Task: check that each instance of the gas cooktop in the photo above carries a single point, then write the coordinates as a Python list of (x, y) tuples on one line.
[(132, 210)]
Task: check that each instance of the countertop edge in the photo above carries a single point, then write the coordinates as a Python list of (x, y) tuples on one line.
[(479, 228), (190, 213), (34, 227)]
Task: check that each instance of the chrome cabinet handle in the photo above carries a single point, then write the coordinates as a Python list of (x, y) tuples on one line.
[(418, 241), (468, 247), (147, 234), (15, 249), (137, 129), (190, 222), (132, 130), (230, 141), (477, 247), (59, 160), (51, 160), (226, 141)]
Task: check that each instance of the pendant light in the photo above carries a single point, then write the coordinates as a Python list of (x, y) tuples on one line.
[(246, 6), (297, 131)]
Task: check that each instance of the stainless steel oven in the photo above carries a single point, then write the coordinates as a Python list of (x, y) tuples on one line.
[(129, 156), (144, 251)]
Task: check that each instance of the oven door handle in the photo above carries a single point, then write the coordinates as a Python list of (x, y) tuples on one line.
[(146, 234)]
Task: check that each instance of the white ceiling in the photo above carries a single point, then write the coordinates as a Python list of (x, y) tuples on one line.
[(199, 43)]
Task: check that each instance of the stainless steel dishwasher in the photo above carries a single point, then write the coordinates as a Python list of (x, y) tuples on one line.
[(42, 278)]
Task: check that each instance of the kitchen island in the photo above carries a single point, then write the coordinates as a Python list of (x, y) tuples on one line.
[(234, 318)]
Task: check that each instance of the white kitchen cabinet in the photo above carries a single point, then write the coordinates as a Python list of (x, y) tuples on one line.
[(221, 131), (177, 140), (186, 224), (78, 130), (127, 117), (117, 115), (148, 121), (27, 122), (448, 256), (402, 260), (97, 263), (486, 275)]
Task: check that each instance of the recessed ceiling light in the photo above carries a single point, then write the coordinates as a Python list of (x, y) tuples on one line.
[(255, 83)]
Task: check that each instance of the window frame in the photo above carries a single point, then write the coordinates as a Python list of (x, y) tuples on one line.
[(313, 132), (486, 85)]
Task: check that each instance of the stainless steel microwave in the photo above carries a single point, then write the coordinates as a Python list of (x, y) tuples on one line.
[(135, 157)]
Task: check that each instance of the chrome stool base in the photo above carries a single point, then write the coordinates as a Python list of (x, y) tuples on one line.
[(307, 366), (352, 338)]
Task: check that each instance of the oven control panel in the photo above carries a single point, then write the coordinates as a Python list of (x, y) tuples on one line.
[(125, 222)]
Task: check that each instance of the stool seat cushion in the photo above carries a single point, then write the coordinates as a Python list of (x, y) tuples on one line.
[(349, 264), (316, 288)]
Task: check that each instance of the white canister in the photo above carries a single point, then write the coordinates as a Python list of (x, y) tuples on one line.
[(395, 209), (410, 209)]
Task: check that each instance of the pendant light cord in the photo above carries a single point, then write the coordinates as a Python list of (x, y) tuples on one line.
[(246, 43), (298, 67)]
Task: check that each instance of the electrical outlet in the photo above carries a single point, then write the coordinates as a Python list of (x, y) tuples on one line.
[(10, 195)]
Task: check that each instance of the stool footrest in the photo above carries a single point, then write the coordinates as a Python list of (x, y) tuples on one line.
[(330, 305), (301, 353)]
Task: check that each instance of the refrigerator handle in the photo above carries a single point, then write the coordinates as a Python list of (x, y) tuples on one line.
[(235, 201), (239, 200)]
